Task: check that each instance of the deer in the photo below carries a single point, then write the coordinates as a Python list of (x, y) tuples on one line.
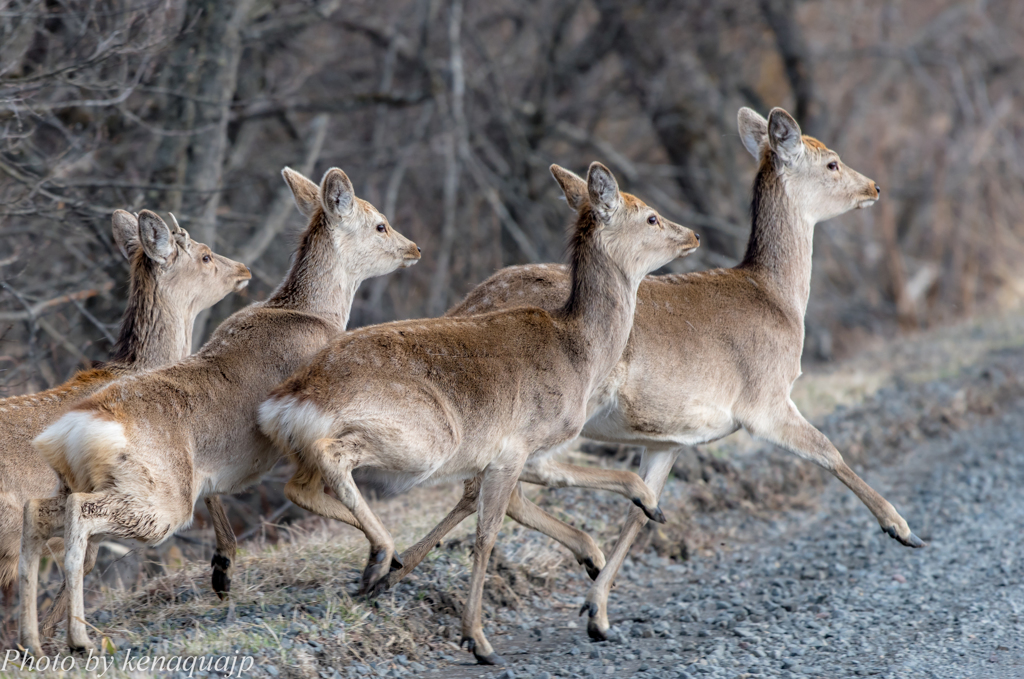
[(138, 455), (172, 278), (710, 351), (474, 397)]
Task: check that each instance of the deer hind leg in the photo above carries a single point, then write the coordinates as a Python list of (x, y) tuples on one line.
[(655, 467), (41, 520), (582, 546), (224, 556), (547, 472), (335, 459), (7, 626), (92, 515), (520, 509), (306, 489), (59, 610), (495, 490), (414, 555), (790, 430)]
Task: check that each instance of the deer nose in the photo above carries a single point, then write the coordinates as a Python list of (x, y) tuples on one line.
[(878, 189), (697, 236), (419, 249)]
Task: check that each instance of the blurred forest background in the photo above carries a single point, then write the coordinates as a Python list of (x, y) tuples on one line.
[(447, 113)]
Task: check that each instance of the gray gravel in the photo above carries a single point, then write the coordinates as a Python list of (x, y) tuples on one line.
[(823, 593)]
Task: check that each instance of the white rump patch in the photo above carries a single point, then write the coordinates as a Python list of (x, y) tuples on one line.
[(293, 424), (81, 442)]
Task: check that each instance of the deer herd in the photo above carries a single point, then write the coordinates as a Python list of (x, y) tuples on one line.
[(487, 394)]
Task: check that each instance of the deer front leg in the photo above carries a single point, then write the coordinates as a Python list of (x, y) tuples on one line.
[(495, 490), (790, 430), (41, 520), (547, 472), (582, 546), (224, 556), (655, 467)]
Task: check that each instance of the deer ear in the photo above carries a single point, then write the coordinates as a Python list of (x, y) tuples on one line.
[(305, 192), (753, 131), (784, 136), (126, 232), (155, 236), (603, 191), (336, 193), (573, 186)]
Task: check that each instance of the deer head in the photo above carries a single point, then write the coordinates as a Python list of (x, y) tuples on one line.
[(634, 234), (816, 181), (357, 228), (189, 274)]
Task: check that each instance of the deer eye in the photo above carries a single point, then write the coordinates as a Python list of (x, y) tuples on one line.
[(652, 220), (833, 166), (382, 228), (207, 259)]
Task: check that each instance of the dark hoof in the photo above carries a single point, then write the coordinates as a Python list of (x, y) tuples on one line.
[(655, 514), (588, 607), (381, 586), (595, 632), (470, 645), (375, 572), (592, 570), (221, 575), (492, 659), (396, 565), (912, 541)]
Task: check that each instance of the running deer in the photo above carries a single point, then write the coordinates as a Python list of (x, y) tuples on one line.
[(456, 398), (138, 455), (710, 352), (172, 279)]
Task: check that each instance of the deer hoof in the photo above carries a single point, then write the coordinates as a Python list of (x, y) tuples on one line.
[(589, 607), (910, 541), (375, 574), (221, 575), (396, 565), (379, 587), (592, 570), (492, 659), (595, 632), (655, 514)]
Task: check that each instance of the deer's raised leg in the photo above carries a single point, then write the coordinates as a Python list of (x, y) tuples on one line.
[(495, 490), (335, 460), (224, 556), (790, 430), (520, 509), (576, 541), (414, 555), (655, 467), (306, 489), (41, 520), (548, 472)]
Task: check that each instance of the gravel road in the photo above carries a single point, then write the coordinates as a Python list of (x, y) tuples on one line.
[(822, 592)]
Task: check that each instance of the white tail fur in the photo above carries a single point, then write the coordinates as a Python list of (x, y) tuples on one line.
[(82, 446)]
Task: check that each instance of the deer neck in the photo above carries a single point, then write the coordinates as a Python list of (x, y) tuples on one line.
[(601, 304), (155, 330), (781, 239), (321, 279)]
